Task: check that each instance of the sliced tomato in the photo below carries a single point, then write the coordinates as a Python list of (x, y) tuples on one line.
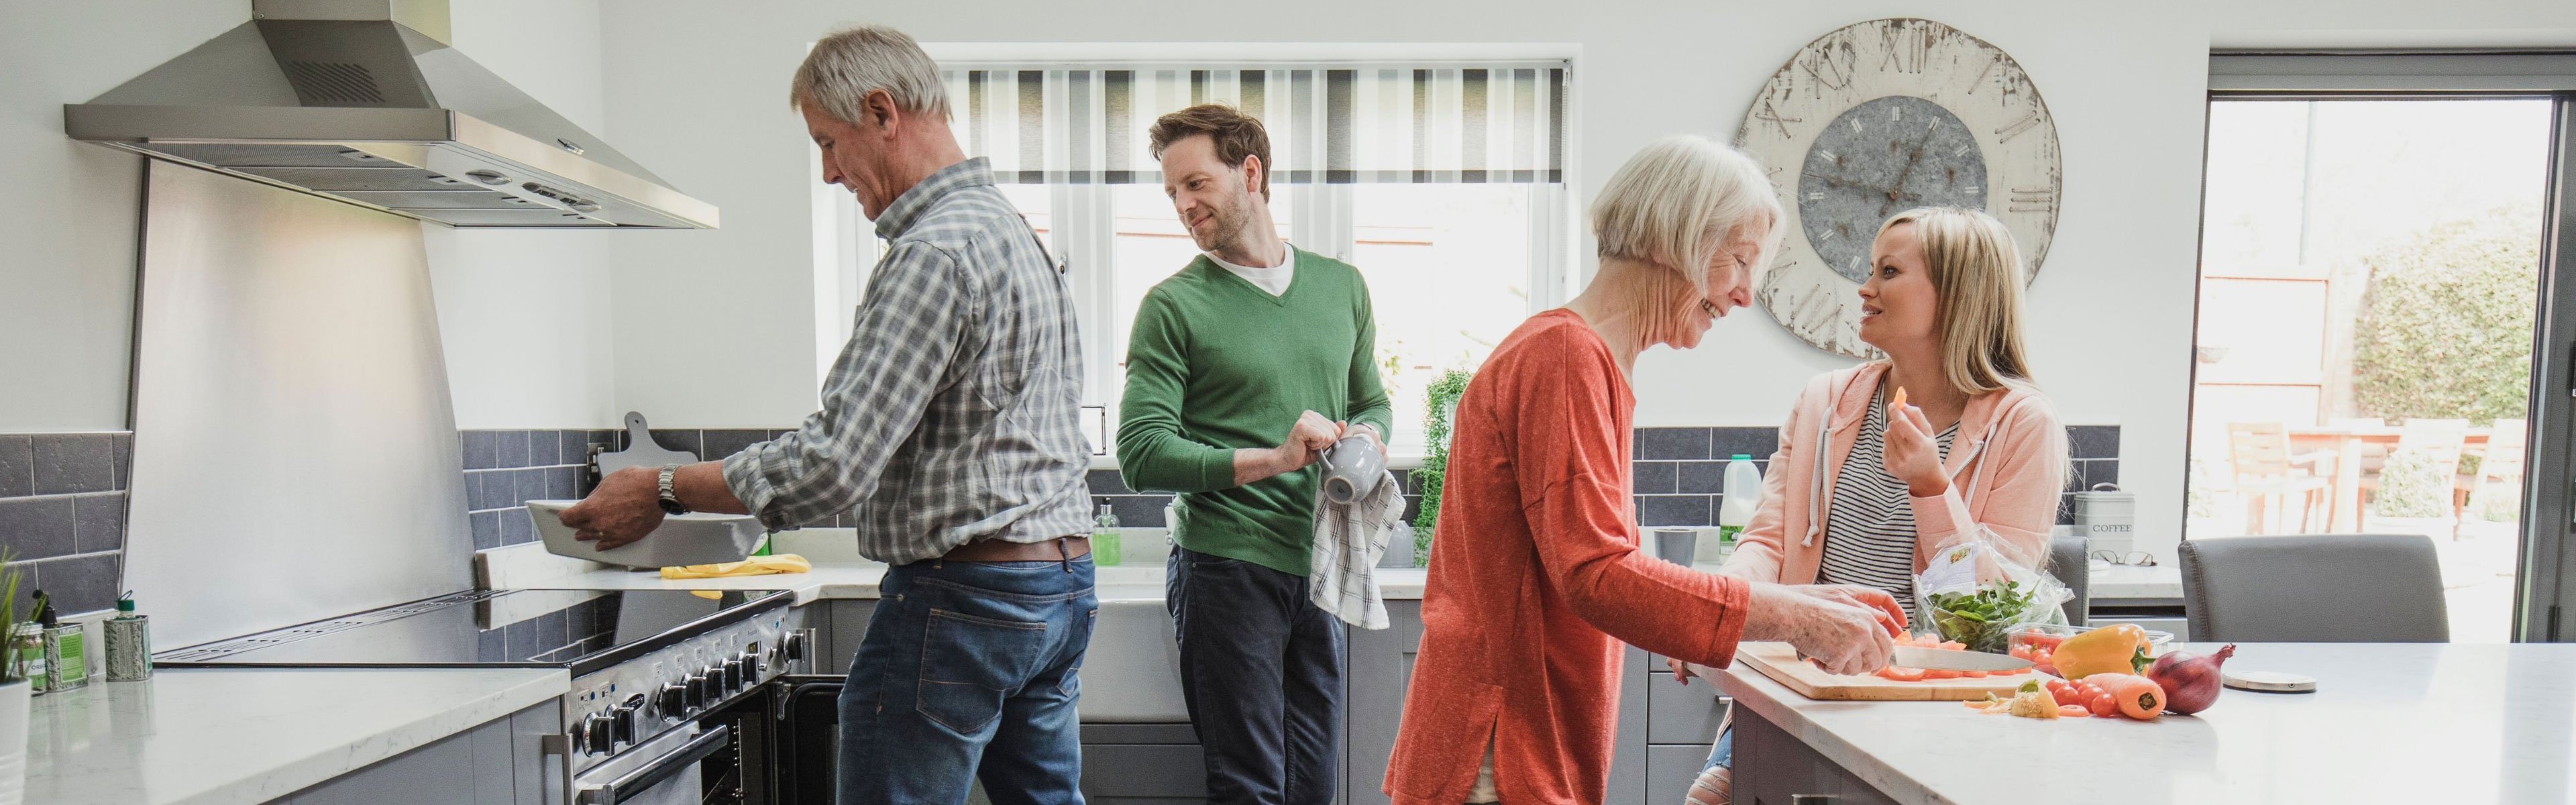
[(1940, 673), (1974, 674), (1902, 674), (2073, 711)]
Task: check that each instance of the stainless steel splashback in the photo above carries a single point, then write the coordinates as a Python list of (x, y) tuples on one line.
[(295, 448)]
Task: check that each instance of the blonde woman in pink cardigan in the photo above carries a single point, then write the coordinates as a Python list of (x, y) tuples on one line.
[(1883, 464)]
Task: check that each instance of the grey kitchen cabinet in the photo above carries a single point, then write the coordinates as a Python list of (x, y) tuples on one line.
[(1380, 666), (496, 762), (1142, 764), (1775, 768), (839, 624)]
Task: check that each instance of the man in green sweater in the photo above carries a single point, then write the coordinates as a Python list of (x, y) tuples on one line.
[(1241, 369)]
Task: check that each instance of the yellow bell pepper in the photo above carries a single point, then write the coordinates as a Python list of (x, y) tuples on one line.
[(2119, 649)]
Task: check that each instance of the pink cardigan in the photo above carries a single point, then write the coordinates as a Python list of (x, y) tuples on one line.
[(2007, 467)]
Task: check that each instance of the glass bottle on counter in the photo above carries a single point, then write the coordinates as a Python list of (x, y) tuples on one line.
[(1104, 538)]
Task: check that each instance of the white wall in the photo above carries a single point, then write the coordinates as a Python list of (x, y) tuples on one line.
[(714, 327), (67, 209), (526, 312)]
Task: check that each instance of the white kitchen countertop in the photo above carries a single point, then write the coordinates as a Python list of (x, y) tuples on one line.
[(859, 580), (249, 735), (2389, 722)]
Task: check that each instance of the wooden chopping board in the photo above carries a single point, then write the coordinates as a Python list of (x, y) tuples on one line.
[(1780, 662)]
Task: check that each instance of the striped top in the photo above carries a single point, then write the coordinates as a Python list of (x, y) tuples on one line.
[(1869, 534)]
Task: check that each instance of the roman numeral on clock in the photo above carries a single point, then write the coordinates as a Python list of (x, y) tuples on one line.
[(2015, 128), (2032, 200)]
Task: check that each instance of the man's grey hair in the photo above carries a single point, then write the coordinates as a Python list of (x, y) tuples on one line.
[(847, 65)]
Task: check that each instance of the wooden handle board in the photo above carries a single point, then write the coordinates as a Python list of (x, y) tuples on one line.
[(1780, 662)]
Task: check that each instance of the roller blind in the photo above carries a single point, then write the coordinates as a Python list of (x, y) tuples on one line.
[(1328, 124)]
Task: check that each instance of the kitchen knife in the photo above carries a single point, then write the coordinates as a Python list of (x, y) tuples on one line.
[(1955, 660)]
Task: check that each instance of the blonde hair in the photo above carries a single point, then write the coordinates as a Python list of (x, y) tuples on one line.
[(844, 67), (1977, 277), (1678, 201)]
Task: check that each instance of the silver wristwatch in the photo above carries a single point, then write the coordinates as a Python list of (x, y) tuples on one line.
[(670, 500)]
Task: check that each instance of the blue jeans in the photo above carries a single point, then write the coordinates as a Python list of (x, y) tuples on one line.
[(970, 670), (1721, 752), (1261, 671)]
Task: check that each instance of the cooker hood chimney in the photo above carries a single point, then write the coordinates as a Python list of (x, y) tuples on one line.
[(364, 101)]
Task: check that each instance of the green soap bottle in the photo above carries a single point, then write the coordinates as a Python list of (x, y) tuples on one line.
[(66, 661), (1104, 538)]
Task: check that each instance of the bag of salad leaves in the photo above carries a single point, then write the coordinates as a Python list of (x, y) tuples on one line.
[(1980, 589)]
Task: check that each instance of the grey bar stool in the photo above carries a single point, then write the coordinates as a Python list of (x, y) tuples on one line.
[(2066, 562), (2315, 588)]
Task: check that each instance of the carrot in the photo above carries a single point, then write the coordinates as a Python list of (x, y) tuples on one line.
[(1899, 402)]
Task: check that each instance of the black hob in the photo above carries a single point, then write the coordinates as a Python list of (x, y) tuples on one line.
[(583, 630)]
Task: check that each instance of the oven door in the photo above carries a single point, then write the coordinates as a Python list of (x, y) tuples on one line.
[(803, 752), (664, 771)]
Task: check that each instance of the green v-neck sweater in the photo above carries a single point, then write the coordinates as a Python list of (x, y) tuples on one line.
[(1217, 364)]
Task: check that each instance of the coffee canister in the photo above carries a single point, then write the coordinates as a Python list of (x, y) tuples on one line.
[(2107, 517)]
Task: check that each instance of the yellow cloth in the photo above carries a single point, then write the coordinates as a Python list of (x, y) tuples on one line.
[(755, 566)]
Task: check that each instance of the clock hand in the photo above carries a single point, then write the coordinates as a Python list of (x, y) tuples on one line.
[(1910, 159)]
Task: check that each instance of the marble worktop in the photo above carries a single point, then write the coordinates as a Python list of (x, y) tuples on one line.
[(202, 736), (2389, 722)]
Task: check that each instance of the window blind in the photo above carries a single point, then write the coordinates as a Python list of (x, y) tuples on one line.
[(1328, 124)]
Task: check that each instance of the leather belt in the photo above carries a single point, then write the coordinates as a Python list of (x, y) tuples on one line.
[(994, 550)]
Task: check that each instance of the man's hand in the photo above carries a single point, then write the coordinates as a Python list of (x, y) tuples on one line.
[(1307, 439), (1844, 638), (626, 506), (1912, 455)]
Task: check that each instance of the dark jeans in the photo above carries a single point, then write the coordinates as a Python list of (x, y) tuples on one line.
[(969, 671), (1261, 670)]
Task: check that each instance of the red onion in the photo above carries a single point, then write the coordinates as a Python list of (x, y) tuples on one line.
[(2190, 681)]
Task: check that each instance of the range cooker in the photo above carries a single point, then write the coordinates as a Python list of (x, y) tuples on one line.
[(659, 677)]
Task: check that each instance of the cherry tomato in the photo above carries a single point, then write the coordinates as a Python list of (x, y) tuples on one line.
[(2102, 704)]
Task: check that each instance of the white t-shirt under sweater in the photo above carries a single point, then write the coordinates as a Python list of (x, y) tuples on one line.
[(1273, 279)]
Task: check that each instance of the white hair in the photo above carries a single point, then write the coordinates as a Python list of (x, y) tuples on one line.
[(1677, 201), (847, 65)]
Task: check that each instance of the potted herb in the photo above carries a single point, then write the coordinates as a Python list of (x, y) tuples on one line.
[(15, 691)]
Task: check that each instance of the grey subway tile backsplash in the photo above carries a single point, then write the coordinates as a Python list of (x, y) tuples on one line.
[(716, 444), (1671, 444), (1759, 443), (684, 440), (2094, 441), (84, 583), (98, 522), (1655, 477), (74, 463), (482, 449), (1699, 477), (487, 529), (17, 466), (1675, 510), (38, 528), (1108, 482), (513, 448)]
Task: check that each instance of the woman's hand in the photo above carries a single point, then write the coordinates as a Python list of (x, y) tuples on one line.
[(1912, 454), (1844, 638)]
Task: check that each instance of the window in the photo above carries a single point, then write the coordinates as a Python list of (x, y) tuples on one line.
[(1443, 182), (2369, 275)]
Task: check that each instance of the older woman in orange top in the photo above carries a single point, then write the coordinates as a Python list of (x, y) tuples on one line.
[(1536, 577)]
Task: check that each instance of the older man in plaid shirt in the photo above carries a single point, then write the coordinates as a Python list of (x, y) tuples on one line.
[(949, 424)]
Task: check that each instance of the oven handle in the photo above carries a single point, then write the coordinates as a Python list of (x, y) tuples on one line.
[(637, 781)]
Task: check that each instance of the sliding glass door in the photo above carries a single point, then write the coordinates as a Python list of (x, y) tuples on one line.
[(2381, 346)]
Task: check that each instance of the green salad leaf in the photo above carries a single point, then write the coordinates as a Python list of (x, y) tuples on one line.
[(1982, 619)]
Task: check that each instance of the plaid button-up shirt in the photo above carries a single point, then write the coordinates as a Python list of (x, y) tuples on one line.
[(951, 415)]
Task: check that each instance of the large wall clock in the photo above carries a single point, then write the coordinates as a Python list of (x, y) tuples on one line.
[(1883, 116)]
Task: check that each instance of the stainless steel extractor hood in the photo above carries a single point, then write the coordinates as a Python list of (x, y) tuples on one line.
[(364, 101)]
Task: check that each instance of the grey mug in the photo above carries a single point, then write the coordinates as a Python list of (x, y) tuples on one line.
[(1353, 467)]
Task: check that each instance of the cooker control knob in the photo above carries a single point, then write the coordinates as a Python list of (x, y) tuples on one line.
[(792, 646), (673, 700), (696, 691), (622, 722), (598, 734), (733, 675)]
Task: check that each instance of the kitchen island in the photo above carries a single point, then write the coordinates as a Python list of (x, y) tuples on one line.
[(2402, 722)]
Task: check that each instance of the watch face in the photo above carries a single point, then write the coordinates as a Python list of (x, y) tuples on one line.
[(1881, 157)]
